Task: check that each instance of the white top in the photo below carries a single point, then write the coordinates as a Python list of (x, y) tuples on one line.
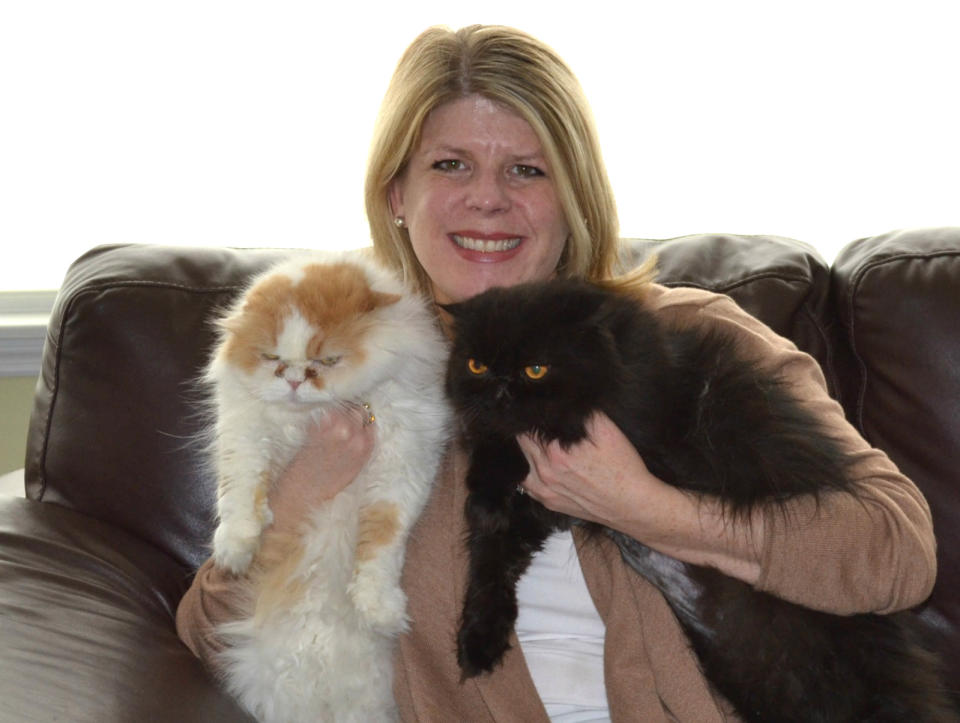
[(561, 634)]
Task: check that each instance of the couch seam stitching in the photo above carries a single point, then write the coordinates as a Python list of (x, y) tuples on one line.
[(828, 366), (726, 286)]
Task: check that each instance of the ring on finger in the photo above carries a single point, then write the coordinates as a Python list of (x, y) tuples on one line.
[(370, 417)]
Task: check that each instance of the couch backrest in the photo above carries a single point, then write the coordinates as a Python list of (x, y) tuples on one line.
[(782, 282)]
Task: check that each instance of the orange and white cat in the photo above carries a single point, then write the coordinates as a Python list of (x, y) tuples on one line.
[(317, 332)]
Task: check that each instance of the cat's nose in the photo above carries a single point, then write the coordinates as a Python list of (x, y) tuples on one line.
[(294, 383)]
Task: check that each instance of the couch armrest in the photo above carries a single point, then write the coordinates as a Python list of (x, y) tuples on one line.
[(86, 624)]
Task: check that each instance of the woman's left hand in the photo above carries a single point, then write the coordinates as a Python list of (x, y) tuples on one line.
[(603, 479), (599, 479)]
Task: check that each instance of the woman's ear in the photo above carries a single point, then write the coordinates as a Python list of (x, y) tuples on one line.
[(395, 196)]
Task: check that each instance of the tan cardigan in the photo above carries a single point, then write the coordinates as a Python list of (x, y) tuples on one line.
[(876, 553)]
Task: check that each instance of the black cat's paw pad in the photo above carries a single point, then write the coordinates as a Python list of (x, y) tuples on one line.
[(479, 653)]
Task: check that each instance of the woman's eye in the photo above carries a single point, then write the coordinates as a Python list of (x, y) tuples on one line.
[(476, 367), (536, 371), (449, 164), (524, 171)]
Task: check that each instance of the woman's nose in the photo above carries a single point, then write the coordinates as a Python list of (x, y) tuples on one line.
[(488, 193)]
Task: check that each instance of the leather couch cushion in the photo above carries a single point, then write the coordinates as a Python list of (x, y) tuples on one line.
[(115, 431), (86, 612)]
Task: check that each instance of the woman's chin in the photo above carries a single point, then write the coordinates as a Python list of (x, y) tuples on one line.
[(462, 292)]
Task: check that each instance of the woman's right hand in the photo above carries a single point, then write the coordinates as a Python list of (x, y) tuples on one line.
[(336, 449)]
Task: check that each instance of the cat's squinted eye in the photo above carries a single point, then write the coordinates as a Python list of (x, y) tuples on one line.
[(269, 357), (328, 361)]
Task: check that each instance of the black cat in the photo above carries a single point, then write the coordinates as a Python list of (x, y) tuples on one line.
[(541, 358)]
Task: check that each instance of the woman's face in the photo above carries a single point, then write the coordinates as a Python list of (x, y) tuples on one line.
[(479, 200)]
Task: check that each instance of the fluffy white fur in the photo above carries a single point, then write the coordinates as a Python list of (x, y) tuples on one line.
[(326, 654)]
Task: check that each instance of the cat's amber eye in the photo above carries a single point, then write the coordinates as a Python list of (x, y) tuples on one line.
[(270, 357), (536, 371), (329, 361), (476, 367)]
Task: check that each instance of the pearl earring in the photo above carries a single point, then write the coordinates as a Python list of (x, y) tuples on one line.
[(400, 222)]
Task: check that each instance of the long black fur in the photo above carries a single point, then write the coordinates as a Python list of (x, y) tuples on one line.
[(704, 419)]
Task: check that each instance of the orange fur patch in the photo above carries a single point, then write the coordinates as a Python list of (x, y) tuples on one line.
[(378, 525), (329, 296), (259, 323)]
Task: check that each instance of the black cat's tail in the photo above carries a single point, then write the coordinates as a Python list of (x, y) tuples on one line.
[(913, 682), (778, 662)]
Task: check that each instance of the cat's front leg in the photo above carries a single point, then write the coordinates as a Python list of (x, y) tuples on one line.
[(395, 486), (497, 467), (375, 588), (503, 536), (242, 507)]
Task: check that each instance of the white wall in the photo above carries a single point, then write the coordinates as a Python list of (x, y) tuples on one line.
[(247, 123)]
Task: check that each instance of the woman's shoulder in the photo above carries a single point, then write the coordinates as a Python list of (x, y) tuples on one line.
[(684, 306), (681, 299)]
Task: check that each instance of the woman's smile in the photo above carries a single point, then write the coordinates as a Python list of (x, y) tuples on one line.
[(491, 247)]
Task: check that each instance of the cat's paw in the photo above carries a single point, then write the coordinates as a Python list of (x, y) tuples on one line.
[(233, 548), (479, 651), (380, 605)]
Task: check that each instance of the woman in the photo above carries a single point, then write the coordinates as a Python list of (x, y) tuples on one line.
[(486, 171)]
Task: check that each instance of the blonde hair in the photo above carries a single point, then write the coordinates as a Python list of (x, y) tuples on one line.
[(634, 282), (514, 69)]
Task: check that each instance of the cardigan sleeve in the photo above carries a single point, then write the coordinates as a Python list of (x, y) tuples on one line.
[(869, 551), (213, 598)]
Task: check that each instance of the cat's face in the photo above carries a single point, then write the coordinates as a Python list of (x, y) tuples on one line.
[(530, 358), (303, 338)]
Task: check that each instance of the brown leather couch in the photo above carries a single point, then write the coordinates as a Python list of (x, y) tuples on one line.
[(118, 510)]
